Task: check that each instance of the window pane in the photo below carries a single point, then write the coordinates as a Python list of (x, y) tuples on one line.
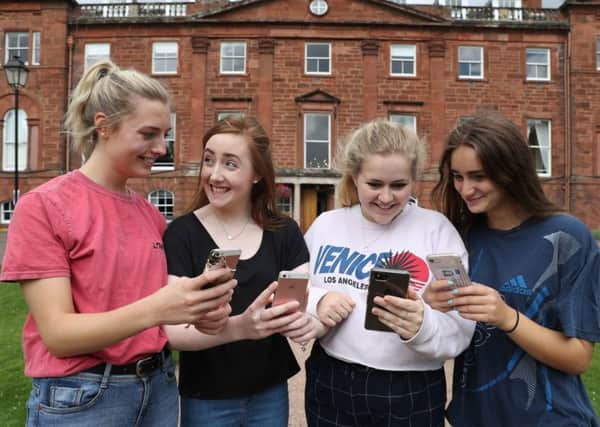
[(35, 58), (538, 140), (8, 138), (405, 119), (317, 50), (317, 127), (168, 160), (539, 56), (403, 50), (317, 155), (469, 53), (164, 57), (164, 202), (17, 44)]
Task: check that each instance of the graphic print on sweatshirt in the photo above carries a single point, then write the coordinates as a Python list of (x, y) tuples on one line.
[(344, 266)]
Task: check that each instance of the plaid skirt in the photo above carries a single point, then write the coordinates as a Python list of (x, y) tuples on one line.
[(346, 394)]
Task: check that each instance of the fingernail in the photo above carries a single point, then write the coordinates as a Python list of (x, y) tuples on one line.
[(454, 292), (450, 282), (450, 301)]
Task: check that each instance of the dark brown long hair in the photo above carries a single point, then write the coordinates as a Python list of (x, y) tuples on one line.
[(507, 161), (262, 197)]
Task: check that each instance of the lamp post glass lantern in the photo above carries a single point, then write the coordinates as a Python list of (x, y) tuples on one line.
[(16, 76)]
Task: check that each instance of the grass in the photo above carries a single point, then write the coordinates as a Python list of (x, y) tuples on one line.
[(14, 387), (596, 234)]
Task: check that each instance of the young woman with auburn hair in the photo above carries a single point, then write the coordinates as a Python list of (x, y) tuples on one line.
[(238, 377)]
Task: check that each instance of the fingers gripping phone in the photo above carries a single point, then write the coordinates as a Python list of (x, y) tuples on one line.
[(384, 281), (449, 267), (292, 286), (220, 258)]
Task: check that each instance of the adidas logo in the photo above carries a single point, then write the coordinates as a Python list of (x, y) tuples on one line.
[(516, 285)]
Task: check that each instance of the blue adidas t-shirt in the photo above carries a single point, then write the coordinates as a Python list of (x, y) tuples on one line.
[(548, 270)]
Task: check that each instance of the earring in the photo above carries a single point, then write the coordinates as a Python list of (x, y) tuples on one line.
[(255, 181)]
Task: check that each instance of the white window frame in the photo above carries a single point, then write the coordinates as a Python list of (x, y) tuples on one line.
[(598, 53), (170, 140), (222, 114), (537, 66), (36, 48), (228, 54), (403, 57), (285, 205), (470, 62), (406, 119), (94, 52), (164, 201), (163, 53), (307, 117), (6, 211), (319, 59), (8, 148), (543, 147), (9, 50)]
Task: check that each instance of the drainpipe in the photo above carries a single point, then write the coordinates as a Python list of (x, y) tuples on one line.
[(70, 43), (568, 131)]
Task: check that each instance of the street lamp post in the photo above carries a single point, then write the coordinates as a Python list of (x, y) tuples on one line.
[(16, 76)]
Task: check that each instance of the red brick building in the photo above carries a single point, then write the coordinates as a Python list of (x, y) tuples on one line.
[(312, 70)]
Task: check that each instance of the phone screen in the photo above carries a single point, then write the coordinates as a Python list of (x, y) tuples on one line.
[(383, 282)]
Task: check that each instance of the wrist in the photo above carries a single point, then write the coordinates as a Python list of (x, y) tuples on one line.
[(513, 326)]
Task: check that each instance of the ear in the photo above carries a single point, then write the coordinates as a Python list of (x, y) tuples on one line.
[(355, 180), (100, 124)]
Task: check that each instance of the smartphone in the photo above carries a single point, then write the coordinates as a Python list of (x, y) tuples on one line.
[(219, 258), (292, 286), (384, 281), (448, 266)]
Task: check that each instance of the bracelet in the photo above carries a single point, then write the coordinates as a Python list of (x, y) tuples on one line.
[(511, 330)]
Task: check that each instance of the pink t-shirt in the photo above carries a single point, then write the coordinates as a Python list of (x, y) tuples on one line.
[(110, 247)]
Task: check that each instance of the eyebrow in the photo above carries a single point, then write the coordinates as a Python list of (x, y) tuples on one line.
[(454, 171), (235, 156)]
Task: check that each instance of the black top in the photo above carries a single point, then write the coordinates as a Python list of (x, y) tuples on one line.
[(244, 367)]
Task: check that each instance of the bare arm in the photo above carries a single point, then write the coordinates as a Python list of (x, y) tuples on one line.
[(256, 322), (484, 304), (68, 333)]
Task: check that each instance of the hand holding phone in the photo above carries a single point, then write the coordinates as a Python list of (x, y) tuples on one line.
[(384, 281), (223, 258), (292, 286), (448, 267)]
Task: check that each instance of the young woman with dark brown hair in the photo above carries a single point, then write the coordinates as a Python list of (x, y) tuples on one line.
[(535, 292)]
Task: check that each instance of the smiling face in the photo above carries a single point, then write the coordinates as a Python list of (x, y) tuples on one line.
[(479, 192), (384, 186), (134, 145), (227, 173)]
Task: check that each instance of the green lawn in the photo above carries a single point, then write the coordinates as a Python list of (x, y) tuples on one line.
[(14, 386)]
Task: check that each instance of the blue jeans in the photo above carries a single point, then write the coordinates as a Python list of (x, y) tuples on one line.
[(85, 399), (269, 408)]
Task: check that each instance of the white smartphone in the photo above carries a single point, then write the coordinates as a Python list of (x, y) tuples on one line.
[(448, 266), (219, 258), (292, 286)]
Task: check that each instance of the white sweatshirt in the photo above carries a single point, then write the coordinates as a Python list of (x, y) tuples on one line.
[(344, 246)]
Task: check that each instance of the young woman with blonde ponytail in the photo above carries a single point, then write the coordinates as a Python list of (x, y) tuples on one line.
[(88, 254)]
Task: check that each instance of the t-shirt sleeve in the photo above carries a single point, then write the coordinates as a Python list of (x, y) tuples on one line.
[(177, 249), (37, 241), (578, 301), (296, 252)]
